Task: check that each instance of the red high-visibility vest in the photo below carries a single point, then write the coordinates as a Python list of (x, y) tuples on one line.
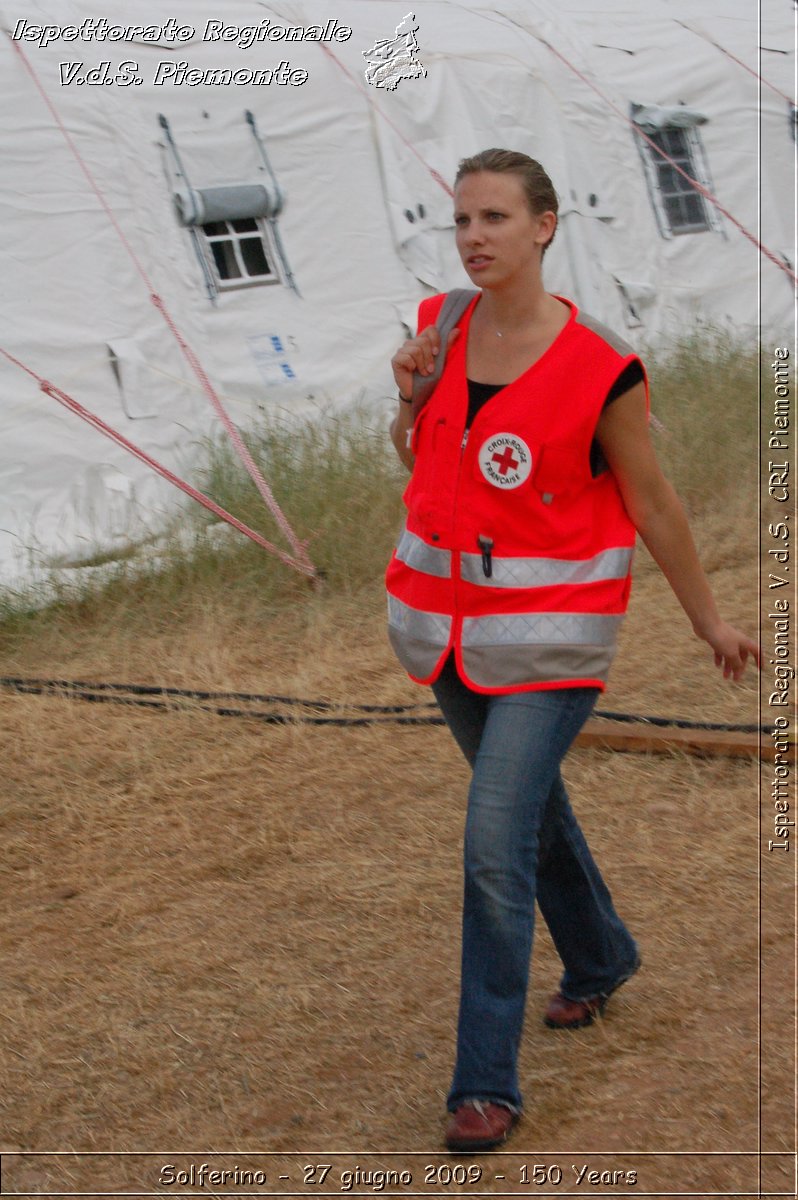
[(513, 554)]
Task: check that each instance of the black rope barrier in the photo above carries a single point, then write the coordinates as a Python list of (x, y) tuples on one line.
[(145, 696), (140, 689)]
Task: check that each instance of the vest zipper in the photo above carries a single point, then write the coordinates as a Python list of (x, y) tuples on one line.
[(456, 557)]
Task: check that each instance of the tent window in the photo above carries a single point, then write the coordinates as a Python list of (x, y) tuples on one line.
[(681, 205), (239, 252), (678, 207), (684, 206)]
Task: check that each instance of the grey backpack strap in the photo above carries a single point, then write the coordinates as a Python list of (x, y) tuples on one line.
[(452, 309)]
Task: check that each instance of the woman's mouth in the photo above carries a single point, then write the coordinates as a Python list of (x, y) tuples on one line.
[(476, 261)]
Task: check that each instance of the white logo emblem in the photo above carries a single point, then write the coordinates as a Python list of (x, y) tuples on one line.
[(393, 59), (505, 460)]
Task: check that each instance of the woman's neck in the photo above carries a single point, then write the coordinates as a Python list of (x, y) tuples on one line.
[(511, 310)]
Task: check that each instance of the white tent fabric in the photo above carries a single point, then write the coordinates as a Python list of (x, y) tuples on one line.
[(366, 218)]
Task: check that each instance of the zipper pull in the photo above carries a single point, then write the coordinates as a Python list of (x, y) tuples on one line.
[(464, 441), (486, 546)]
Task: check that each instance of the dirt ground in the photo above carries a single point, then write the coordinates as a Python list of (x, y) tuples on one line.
[(224, 936)]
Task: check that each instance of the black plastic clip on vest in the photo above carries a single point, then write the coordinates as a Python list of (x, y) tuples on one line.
[(486, 546)]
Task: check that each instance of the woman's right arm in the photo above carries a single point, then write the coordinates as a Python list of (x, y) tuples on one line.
[(415, 356), (401, 428)]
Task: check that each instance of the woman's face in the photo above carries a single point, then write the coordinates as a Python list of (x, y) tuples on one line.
[(498, 237)]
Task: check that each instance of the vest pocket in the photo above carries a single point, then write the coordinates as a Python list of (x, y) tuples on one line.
[(420, 445), (558, 469), (424, 496), (418, 426)]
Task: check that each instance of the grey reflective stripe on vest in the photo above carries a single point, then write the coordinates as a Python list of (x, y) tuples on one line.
[(518, 666), (618, 344), (430, 560), (522, 648), (551, 629), (546, 572), (418, 638)]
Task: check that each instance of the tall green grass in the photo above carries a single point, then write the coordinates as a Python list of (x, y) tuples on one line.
[(704, 391), (339, 483)]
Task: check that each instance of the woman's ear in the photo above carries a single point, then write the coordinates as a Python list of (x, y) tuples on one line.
[(547, 223)]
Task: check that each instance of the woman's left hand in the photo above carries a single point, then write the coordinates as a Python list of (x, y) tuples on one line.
[(732, 649)]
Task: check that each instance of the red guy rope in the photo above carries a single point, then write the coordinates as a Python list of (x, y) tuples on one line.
[(435, 174), (774, 258), (693, 182), (739, 62), (298, 547), (98, 423)]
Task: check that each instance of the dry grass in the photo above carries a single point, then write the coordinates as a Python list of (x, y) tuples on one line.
[(231, 935), (228, 935)]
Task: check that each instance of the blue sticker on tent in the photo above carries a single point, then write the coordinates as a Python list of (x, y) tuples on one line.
[(271, 358)]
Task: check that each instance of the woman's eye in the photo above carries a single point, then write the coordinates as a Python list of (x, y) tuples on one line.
[(461, 220), (495, 216)]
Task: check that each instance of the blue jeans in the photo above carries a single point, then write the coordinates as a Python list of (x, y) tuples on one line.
[(522, 843)]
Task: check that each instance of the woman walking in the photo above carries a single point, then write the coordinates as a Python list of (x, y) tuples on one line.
[(532, 472)]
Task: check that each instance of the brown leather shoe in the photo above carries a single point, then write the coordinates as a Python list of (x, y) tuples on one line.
[(562, 1013), (479, 1125)]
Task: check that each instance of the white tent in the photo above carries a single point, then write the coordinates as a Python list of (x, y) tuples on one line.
[(290, 217)]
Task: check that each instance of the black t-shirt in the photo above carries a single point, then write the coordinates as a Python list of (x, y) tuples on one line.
[(480, 393)]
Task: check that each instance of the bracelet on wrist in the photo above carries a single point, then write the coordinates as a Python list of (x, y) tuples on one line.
[(405, 399)]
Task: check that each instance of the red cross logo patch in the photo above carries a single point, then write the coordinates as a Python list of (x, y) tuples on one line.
[(505, 460)]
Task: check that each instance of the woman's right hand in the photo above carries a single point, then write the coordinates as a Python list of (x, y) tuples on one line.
[(417, 356)]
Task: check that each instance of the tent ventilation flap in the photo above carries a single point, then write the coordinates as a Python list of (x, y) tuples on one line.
[(654, 117), (200, 206)]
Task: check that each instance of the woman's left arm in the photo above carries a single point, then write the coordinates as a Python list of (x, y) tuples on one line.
[(660, 519)]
